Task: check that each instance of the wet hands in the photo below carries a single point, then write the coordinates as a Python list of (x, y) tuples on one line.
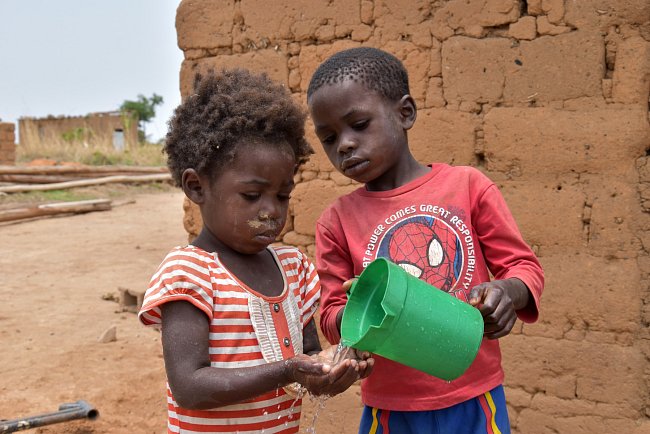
[(320, 375), (498, 302)]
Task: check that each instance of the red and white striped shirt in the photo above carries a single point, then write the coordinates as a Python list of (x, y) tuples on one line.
[(246, 329)]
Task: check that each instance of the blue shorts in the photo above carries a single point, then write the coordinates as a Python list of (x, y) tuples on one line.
[(487, 413)]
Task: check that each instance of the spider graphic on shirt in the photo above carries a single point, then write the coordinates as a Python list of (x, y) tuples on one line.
[(427, 248)]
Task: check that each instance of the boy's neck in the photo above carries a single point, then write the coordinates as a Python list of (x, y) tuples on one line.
[(399, 175)]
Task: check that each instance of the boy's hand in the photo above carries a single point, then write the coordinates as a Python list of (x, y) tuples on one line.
[(498, 302)]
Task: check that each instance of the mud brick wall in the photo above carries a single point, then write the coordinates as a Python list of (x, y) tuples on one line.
[(550, 99), (7, 143)]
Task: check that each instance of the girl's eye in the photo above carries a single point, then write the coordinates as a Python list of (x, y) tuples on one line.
[(284, 197), (250, 196)]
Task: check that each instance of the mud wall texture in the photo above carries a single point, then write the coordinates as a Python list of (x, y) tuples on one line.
[(550, 99), (7, 143)]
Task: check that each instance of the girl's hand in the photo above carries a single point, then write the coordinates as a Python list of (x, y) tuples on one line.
[(321, 375)]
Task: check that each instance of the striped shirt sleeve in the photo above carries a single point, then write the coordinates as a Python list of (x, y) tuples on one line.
[(310, 290), (184, 275)]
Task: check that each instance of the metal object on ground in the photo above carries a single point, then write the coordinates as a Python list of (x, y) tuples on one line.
[(71, 411)]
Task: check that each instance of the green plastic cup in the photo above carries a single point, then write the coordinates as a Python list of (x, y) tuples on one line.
[(402, 318)]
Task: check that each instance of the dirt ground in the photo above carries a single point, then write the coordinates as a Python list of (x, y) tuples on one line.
[(59, 283)]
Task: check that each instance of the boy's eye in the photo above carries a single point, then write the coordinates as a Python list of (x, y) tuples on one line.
[(328, 140), (284, 197), (250, 196), (360, 125)]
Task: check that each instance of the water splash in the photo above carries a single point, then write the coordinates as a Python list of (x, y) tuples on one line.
[(299, 395), (320, 402), (340, 354)]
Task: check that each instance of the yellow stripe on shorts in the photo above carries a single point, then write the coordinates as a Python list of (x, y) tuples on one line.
[(375, 422), (493, 409)]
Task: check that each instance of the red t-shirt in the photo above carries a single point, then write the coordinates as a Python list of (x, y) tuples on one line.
[(450, 227)]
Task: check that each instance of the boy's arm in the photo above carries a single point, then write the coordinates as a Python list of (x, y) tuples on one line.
[(516, 269), (334, 268)]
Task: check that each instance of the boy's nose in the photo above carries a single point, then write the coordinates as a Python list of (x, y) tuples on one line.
[(346, 145)]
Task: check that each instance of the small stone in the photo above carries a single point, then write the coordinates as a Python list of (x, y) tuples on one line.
[(109, 335)]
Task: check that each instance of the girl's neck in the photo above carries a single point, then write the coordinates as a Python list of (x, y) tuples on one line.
[(259, 271)]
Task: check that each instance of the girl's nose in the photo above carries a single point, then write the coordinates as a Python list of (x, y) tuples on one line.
[(271, 210)]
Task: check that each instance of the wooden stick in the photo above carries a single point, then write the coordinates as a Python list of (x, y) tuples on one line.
[(47, 209), (44, 170), (35, 179), (85, 182)]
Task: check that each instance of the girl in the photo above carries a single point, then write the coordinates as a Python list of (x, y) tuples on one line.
[(238, 332)]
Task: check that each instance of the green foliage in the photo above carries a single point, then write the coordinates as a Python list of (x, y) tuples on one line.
[(78, 134), (142, 110)]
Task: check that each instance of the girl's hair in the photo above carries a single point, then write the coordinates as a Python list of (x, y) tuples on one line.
[(227, 109), (375, 69)]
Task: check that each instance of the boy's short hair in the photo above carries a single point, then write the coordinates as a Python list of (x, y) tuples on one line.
[(375, 69), (226, 109)]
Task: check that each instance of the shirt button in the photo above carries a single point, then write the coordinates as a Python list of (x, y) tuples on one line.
[(276, 307), (286, 342)]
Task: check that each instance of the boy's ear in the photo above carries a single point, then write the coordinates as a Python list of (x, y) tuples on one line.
[(408, 111), (192, 186)]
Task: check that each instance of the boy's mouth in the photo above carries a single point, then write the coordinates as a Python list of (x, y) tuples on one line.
[(353, 165)]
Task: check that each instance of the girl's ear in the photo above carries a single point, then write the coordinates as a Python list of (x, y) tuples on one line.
[(192, 186), (407, 111)]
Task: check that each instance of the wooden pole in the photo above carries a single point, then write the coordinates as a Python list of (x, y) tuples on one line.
[(85, 182), (45, 170), (55, 208), (35, 179)]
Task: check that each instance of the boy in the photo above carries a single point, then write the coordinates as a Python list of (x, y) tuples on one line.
[(449, 226)]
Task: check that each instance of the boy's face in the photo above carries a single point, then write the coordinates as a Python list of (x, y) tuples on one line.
[(245, 207), (362, 133)]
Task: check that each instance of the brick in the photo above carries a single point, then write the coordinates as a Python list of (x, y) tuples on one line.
[(461, 16), (192, 220), (559, 68), (585, 293), (205, 23), (311, 198), (599, 15), (535, 205), (525, 28), (535, 364), (546, 141), (631, 80), (269, 61), (295, 239), (473, 70), (615, 212), (300, 19), (441, 135)]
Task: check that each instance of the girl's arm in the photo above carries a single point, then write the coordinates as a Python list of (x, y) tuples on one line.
[(196, 385)]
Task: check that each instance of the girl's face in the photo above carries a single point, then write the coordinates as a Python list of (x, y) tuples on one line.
[(245, 207), (362, 133)]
